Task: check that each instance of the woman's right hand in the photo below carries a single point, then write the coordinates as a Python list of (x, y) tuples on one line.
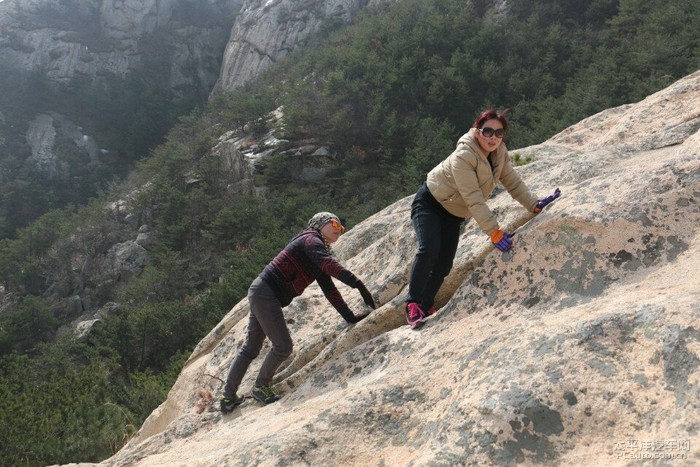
[(502, 240)]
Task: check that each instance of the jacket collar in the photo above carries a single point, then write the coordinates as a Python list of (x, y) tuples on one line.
[(470, 140)]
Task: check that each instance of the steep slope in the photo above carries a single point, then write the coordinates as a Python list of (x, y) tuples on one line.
[(581, 347)]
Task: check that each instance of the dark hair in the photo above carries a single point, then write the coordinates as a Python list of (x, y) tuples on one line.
[(491, 114)]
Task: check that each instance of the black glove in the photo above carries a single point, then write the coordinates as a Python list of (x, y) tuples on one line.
[(355, 318), (366, 296), (348, 315)]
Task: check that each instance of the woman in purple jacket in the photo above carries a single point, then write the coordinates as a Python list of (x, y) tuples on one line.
[(306, 258)]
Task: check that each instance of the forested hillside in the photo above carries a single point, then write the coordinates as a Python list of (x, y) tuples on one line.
[(390, 93)]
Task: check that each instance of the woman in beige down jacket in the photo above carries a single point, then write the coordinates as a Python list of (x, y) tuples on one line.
[(455, 190)]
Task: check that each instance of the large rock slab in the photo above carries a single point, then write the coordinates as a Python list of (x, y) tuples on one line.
[(580, 347)]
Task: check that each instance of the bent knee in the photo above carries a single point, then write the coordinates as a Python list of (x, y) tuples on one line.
[(250, 353), (443, 270), (428, 254), (283, 350)]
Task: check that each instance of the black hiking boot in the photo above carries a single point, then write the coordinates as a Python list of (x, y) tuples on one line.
[(230, 403), (265, 394)]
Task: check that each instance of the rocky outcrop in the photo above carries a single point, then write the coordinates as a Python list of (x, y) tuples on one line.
[(579, 347), (181, 40), (125, 259), (85, 271), (41, 137), (266, 31), (42, 134), (250, 161)]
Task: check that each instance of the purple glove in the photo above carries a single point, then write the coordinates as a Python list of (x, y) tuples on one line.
[(502, 240), (545, 201)]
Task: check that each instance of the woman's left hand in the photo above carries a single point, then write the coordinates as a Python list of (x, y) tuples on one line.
[(545, 201)]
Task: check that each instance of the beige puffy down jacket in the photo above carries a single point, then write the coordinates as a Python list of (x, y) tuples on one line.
[(463, 181)]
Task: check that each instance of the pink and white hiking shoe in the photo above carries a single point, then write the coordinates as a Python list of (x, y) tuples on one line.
[(414, 315)]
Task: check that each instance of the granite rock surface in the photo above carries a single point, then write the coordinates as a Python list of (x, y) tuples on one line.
[(579, 347)]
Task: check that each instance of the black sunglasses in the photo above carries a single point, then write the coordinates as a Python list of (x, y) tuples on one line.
[(489, 132)]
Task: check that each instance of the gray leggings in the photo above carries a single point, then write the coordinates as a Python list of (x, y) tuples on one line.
[(266, 320)]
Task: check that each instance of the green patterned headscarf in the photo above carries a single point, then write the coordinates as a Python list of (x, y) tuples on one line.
[(322, 218)]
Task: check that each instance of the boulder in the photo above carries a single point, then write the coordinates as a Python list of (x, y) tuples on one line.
[(125, 260), (83, 328)]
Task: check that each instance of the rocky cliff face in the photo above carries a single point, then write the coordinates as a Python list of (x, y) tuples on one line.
[(267, 30), (92, 44), (580, 347), (102, 38)]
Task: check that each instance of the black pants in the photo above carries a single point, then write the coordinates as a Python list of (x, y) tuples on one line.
[(438, 235)]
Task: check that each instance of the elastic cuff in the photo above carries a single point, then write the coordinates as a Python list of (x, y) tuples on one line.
[(497, 235)]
